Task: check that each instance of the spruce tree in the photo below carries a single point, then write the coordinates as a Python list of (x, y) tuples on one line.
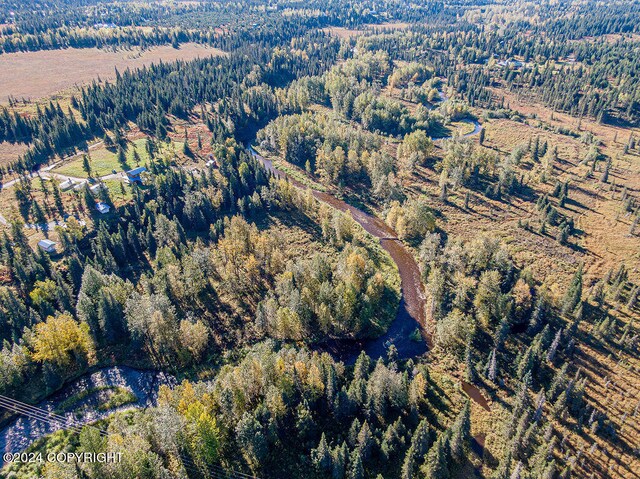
[(491, 366), (605, 174), (443, 192), (574, 293), (339, 458), (470, 371), (540, 402), (366, 442), (108, 142), (86, 165), (535, 153), (409, 464), (504, 467), (89, 200), (461, 434), (502, 333), (537, 317), (321, 456), (356, 468), (517, 471), (436, 462), (551, 353), (633, 297), (122, 159)]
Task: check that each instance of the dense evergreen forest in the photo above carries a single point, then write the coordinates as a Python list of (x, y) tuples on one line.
[(494, 143)]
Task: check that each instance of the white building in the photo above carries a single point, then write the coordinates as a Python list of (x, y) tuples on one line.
[(103, 208), (66, 185), (47, 245), (80, 186)]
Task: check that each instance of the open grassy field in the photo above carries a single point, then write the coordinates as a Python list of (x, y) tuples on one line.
[(343, 32), (33, 75), (104, 161)]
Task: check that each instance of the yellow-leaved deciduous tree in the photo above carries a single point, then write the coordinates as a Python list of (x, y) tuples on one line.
[(59, 470), (43, 291), (375, 288), (412, 72), (415, 148), (355, 272), (202, 432), (245, 257), (315, 382), (452, 330), (62, 341), (418, 390), (344, 227), (43, 295), (412, 220), (462, 160), (523, 298), (194, 337), (331, 164), (288, 325)]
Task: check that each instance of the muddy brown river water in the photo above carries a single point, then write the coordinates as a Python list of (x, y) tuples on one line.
[(411, 310), (411, 315)]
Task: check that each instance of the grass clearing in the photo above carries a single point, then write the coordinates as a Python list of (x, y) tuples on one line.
[(103, 161), (342, 32), (461, 128), (39, 74), (119, 397), (298, 175), (108, 397)]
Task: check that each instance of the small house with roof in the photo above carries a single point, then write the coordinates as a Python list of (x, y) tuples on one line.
[(95, 189), (47, 245), (134, 175), (79, 186), (102, 208), (66, 184)]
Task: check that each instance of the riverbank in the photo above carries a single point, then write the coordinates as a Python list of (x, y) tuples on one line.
[(411, 314), (56, 413)]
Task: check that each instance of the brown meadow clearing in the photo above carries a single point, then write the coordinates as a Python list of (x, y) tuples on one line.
[(32, 75)]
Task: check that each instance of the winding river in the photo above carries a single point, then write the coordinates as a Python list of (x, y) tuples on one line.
[(24, 430), (411, 315), (411, 310)]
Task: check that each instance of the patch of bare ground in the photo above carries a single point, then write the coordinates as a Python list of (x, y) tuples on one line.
[(388, 26), (342, 32), (613, 137), (33, 75), (9, 152)]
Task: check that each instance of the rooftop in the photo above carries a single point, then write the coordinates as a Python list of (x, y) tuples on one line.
[(136, 171)]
